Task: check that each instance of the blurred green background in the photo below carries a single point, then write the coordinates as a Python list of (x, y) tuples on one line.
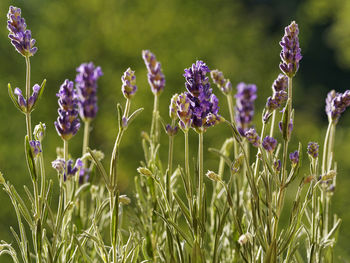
[(236, 36)]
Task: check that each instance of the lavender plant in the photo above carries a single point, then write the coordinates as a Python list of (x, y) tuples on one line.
[(178, 217)]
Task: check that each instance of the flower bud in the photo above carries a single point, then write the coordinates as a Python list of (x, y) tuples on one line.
[(243, 239), (2, 179), (329, 176), (312, 149), (144, 171), (123, 199), (213, 176), (39, 131)]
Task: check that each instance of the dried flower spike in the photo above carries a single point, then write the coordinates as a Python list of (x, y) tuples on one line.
[(86, 85), (173, 107), (67, 124), (291, 52), (21, 38), (155, 74), (129, 84)]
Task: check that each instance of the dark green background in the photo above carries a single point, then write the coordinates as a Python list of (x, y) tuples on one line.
[(238, 37)]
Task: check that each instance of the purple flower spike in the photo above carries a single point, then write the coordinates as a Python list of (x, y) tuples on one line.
[(86, 85), (67, 124), (223, 84), (291, 52), (253, 137), (36, 147), (129, 84), (294, 158), (21, 38), (184, 111), (245, 97), (155, 74), (336, 104), (312, 149), (269, 144), (203, 101)]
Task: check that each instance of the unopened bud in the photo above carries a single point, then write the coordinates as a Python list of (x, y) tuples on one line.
[(213, 176), (330, 175), (39, 131), (2, 179), (123, 199), (243, 239), (144, 171)]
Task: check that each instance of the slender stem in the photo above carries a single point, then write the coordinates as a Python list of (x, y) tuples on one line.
[(86, 136), (325, 148), (154, 126), (290, 96), (256, 168), (232, 117), (200, 177), (170, 163), (272, 123), (28, 119)]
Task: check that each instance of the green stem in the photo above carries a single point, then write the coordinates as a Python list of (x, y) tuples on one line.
[(272, 123), (232, 117), (170, 163), (257, 162), (325, 148), (200, 177), (86, 137), (28, 119), (154, 126)]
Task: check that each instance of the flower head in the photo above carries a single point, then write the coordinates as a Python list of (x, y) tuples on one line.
[(203, 103), (21, 38), (312, 149), (60, 165), (86, 85), (223, 84), (67, 124), (269, 144), (336, 104), (170, 130), (291, 52), (253, 137), (277, 165), (294, 158), (155, 74), (184, 111), (245, 97)]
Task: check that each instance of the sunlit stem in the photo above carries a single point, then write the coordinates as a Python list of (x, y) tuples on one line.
[(273, 123), (200, 176), (154, 126), (232, 117), (86, 137), (28, 118), (187, 166), (257, 162), (170, 162)]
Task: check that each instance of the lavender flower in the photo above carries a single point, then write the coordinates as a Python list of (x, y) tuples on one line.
[(173, 107), (21, 38), (312, 149), (291, 53), (35, 147), (336, 104), (245, 97), (86, 85), (223, 84), (294, 158), (155, 75), (253, 137), (280, 95), (184, 111), (27, 107), (67, 123), (203, 101), (60, 165), (269, 144), (84, 174), (129, 84)]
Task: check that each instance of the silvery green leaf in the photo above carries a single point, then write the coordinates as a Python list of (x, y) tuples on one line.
[(13, 98), (42, 87)]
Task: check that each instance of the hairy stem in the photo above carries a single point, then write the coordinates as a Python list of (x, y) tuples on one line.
[(28, 118)]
